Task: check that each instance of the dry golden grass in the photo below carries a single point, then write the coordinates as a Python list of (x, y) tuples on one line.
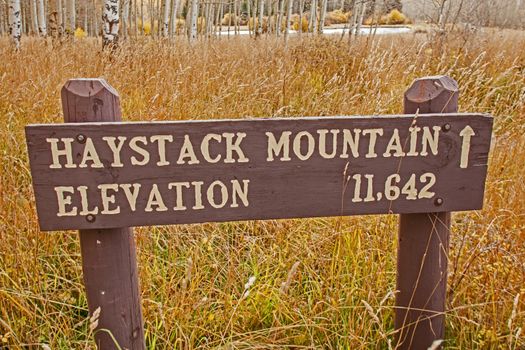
[(338, 274)]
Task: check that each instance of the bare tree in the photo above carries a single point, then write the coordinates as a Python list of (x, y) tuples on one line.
[(194, 14), (260, 20), (71, 16), (33, 16), (288, 18), (324, 5), (42, 27), (165, 17), (110, 19), (15, 22), (313, 16)]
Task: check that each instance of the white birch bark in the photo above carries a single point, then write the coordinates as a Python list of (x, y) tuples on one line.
[(324, 5), (72, 16), (86, 29), (110, 19), (174, 12), (165, 17), (15, 22), (60, 19), (301, 8), (2, 23), (288, 19), (125, 18), (269, 28), (135, 18), (53, 19), (142, 17), (229, 17), (34, 17), (352, 20), (260, 20), (313, 16), (441, 19), (236, 17), (42, 26), (360, 18), (280, 17), (95, 19), (158, 16), (193, 20), (277, 16)]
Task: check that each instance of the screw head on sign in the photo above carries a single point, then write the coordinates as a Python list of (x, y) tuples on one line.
[(438, 201), (81, 138), (90, 218), (446, 127)]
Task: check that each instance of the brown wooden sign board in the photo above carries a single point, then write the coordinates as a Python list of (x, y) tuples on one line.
[(105, 175)]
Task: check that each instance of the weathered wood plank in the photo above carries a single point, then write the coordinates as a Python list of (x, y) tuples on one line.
[(317, 185)]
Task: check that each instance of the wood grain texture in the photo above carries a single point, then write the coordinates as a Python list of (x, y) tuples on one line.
[(108, 256), (422, 260), (277, 189)]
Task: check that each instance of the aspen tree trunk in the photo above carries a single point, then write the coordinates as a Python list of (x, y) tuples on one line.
[(280, 18), (23, 19), (441, 19), (254, 17), (110, 19), (165, 17), (221, 16), (91, 20), (236, 18), (125, 19), (360, 18), (135, 20), (72, 16), (352, 20), (301, 7), (342, 7), (288, 19), (312, 25), (217, 12), (173, 17), (95, 19), (193, 20), (2, 19), (248, 10), (158, 17), (269, 16), (260, 21), (53, 19), (209, 21), (86, 18), (151, 17), (15, 23), (324, 5), (229, 17), (60, 17), (142, 17), (276, 16), (204, 14), (34, 17)]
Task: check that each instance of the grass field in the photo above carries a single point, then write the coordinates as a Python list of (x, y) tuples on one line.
[(319, 283)]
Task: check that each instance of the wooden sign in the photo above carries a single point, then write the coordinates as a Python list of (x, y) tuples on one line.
[(104, 175)]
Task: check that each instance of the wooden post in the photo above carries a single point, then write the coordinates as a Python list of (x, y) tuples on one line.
[(424, 239), (109, 259)]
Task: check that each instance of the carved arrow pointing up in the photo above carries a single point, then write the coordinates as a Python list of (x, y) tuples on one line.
[(466, 134)]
